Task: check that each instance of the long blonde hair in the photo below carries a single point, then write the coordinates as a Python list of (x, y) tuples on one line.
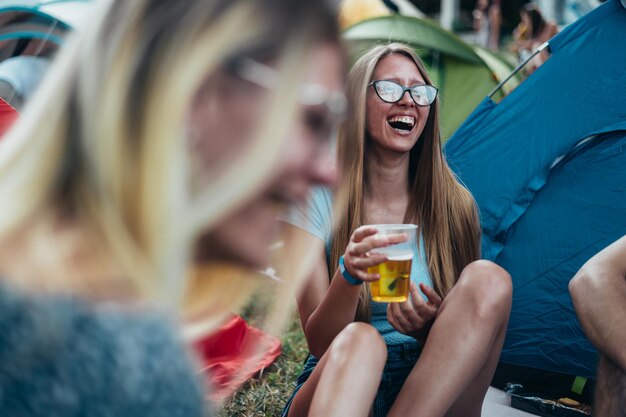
[(102, 147), (444, 210)]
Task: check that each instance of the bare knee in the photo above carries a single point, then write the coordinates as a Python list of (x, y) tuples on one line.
[(356, 343), (488, 287), (581, 287)]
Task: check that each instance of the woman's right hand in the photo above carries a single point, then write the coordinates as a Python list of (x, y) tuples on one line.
[(358, 256)]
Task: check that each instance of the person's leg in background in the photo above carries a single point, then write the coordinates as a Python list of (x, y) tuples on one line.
[(610, 398)]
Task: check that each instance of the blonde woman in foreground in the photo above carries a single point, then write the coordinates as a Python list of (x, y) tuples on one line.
[(435, 354), (157, 130)]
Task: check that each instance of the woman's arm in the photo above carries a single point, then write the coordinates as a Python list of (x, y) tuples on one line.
[(324, 308), (327, 308), (335, 311)]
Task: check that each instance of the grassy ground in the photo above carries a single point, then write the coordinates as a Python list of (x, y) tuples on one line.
[(266, 394)]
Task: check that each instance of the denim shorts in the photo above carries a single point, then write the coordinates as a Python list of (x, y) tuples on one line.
[(400, 361)]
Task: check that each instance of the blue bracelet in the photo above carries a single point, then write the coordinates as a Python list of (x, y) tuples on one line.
[(346, 275)]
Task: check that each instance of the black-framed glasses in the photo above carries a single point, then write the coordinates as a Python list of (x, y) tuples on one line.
[(392, 92)]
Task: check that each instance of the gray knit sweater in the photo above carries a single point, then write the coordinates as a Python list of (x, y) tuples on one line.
[(63, 357)]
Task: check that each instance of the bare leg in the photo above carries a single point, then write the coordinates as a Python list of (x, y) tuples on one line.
[(460, 355), (474, 394), (610, 399), (345, 381), (599, 296)]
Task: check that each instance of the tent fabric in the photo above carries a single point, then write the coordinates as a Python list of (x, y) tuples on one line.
[(20, 76), (7, 116), (19, 22), (73, 13), (233, 354), (412, 31), (551, 241), (67, 13), (44, 22), (31, 32), (546, 166), (499, 66), (464, 74)]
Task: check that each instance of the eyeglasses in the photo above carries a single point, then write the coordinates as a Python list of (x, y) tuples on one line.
[(311, 96), (392, 92)]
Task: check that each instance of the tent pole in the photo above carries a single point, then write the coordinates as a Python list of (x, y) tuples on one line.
[(518, 68)]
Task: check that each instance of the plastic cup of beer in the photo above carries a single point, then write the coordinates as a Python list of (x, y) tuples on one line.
[(395, 273)]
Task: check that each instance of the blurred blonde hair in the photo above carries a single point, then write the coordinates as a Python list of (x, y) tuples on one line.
[(443, 209), (95, 177)]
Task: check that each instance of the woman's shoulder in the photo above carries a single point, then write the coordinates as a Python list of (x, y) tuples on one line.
[(321, 198), (315, 214), (59, 353)]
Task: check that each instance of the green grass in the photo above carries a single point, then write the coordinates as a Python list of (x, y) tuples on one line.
[(266, 394)]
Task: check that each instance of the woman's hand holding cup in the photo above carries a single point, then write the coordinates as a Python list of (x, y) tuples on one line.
[(358, 256)]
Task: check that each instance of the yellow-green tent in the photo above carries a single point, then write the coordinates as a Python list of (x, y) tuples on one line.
[(465, 74)]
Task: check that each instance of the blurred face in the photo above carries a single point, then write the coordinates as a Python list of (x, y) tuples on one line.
[(395, 126), (230, 117)]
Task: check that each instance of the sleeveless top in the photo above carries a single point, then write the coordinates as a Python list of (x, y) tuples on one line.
[(315, 217)]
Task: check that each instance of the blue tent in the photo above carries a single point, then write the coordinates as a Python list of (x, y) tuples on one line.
[(547, 166), (31, 33)]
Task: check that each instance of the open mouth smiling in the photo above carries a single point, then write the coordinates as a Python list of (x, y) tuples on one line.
[(403, 124)]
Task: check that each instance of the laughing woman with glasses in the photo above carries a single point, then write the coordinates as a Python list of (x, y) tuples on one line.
[(434, 354)]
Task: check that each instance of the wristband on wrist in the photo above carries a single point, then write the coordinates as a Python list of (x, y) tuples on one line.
[(346, 275)]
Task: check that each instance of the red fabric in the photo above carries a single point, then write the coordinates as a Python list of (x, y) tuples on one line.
[(7, 115), (234, 354)]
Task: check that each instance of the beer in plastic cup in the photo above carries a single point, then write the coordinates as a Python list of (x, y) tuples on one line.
[(395, 273)]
